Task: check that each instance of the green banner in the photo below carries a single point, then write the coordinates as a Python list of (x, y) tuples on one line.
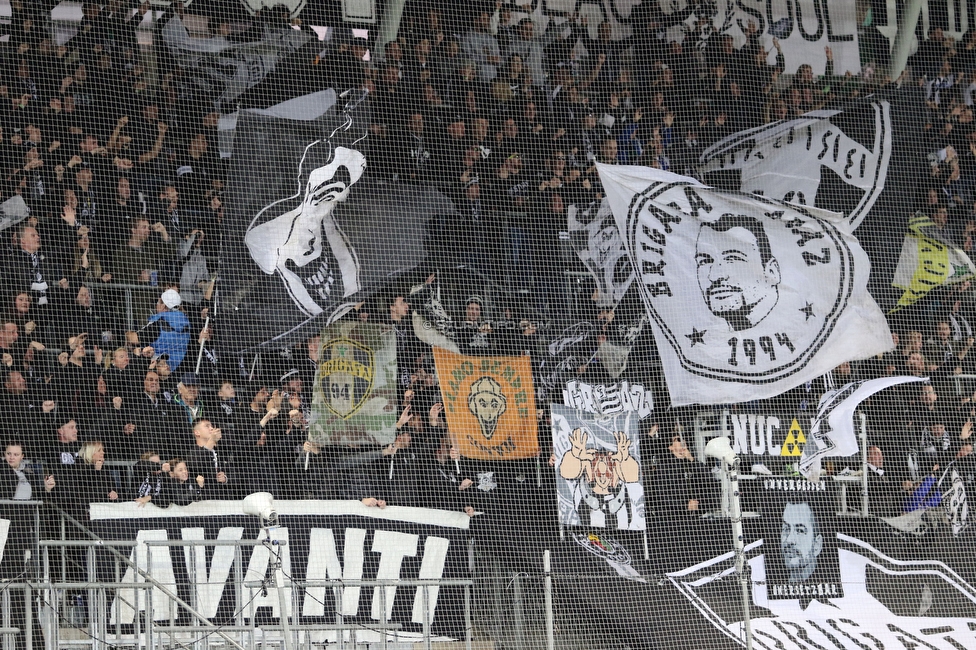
[(354, 399)]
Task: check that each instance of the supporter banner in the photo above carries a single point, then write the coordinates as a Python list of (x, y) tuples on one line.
[(326, 540), (598, 469), (928, 259), (597, 242), (605, 400), (781, 293), (490, 404), (813, 585), (837, 160), (354, 399), (803, 27), (833, 432), (797, 521), (224, 70), (300, 244), (769, 437)]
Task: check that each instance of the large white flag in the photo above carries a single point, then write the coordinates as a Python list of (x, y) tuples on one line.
[(748, 296), (832, 432)]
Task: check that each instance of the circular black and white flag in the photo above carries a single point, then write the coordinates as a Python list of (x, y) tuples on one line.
[(748, 296)]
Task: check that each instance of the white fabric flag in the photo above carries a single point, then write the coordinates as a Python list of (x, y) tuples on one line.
[(748, 297), (832, 432)]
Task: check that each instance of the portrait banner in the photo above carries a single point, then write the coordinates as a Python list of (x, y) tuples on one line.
[(598, 469), (747, 297), (797, 531), (490, 405), (354, 399)]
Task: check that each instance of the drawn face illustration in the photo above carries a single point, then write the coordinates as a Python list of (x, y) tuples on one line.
[(291, 245), (487, 403), (737, 275)]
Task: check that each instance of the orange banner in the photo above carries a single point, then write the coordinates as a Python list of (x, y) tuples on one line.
[(490, 405)]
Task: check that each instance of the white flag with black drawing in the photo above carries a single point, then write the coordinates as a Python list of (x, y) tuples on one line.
[(748, 297), (832, 432)]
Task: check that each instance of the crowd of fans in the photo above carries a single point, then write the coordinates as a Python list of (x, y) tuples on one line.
[(117, 162)]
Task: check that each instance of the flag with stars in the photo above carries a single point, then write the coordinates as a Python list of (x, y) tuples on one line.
[(747, 296), (928, 259), (354, 398)]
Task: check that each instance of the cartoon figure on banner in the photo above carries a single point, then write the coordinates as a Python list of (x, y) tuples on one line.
[(487, 403), (601, 478), (737, 272), (305, 246)]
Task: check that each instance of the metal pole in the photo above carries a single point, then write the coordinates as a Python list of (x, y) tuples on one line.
[(173, 598), (864, 465), (739, 544), (129, 312), (283, 603), (550, 619), (904, 37), (206, 324)]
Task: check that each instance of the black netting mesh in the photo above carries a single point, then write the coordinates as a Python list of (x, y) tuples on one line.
[(527, 323)]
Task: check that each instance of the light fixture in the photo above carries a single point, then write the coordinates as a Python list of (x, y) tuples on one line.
[(720, 449), (261, 505)]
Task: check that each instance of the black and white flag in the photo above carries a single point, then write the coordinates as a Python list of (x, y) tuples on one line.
[(302, 243), (832, 432), (748, 297), (224, 70), (597, 242), (839, 160)]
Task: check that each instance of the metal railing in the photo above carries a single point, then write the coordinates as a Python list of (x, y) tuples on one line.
[(92, 605), (124, 306)]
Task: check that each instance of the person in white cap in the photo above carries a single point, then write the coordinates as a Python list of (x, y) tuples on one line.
[(171, 326)]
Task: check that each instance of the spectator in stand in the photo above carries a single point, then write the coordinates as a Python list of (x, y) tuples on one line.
[(21, 479), (91, 481), (29, 269), (169, 328), (683, 491), (62, 448), (178, 488), (208, 464), (188, 405), (141, 260), (481, 46)]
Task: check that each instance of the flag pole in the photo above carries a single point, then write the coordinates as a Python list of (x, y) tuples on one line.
[(864, 464)]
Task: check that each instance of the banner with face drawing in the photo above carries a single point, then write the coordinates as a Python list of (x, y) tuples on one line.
[(598, 469), (303, 242), (748, 297), (489, 403)]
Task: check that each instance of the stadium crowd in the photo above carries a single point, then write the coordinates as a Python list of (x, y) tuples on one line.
[(117, 162)]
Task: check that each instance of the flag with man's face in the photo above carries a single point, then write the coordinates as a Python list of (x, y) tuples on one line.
[(490, 405), (747, 296)]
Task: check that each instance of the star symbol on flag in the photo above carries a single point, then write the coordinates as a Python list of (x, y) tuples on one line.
[(696, 336), (808, 310)]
